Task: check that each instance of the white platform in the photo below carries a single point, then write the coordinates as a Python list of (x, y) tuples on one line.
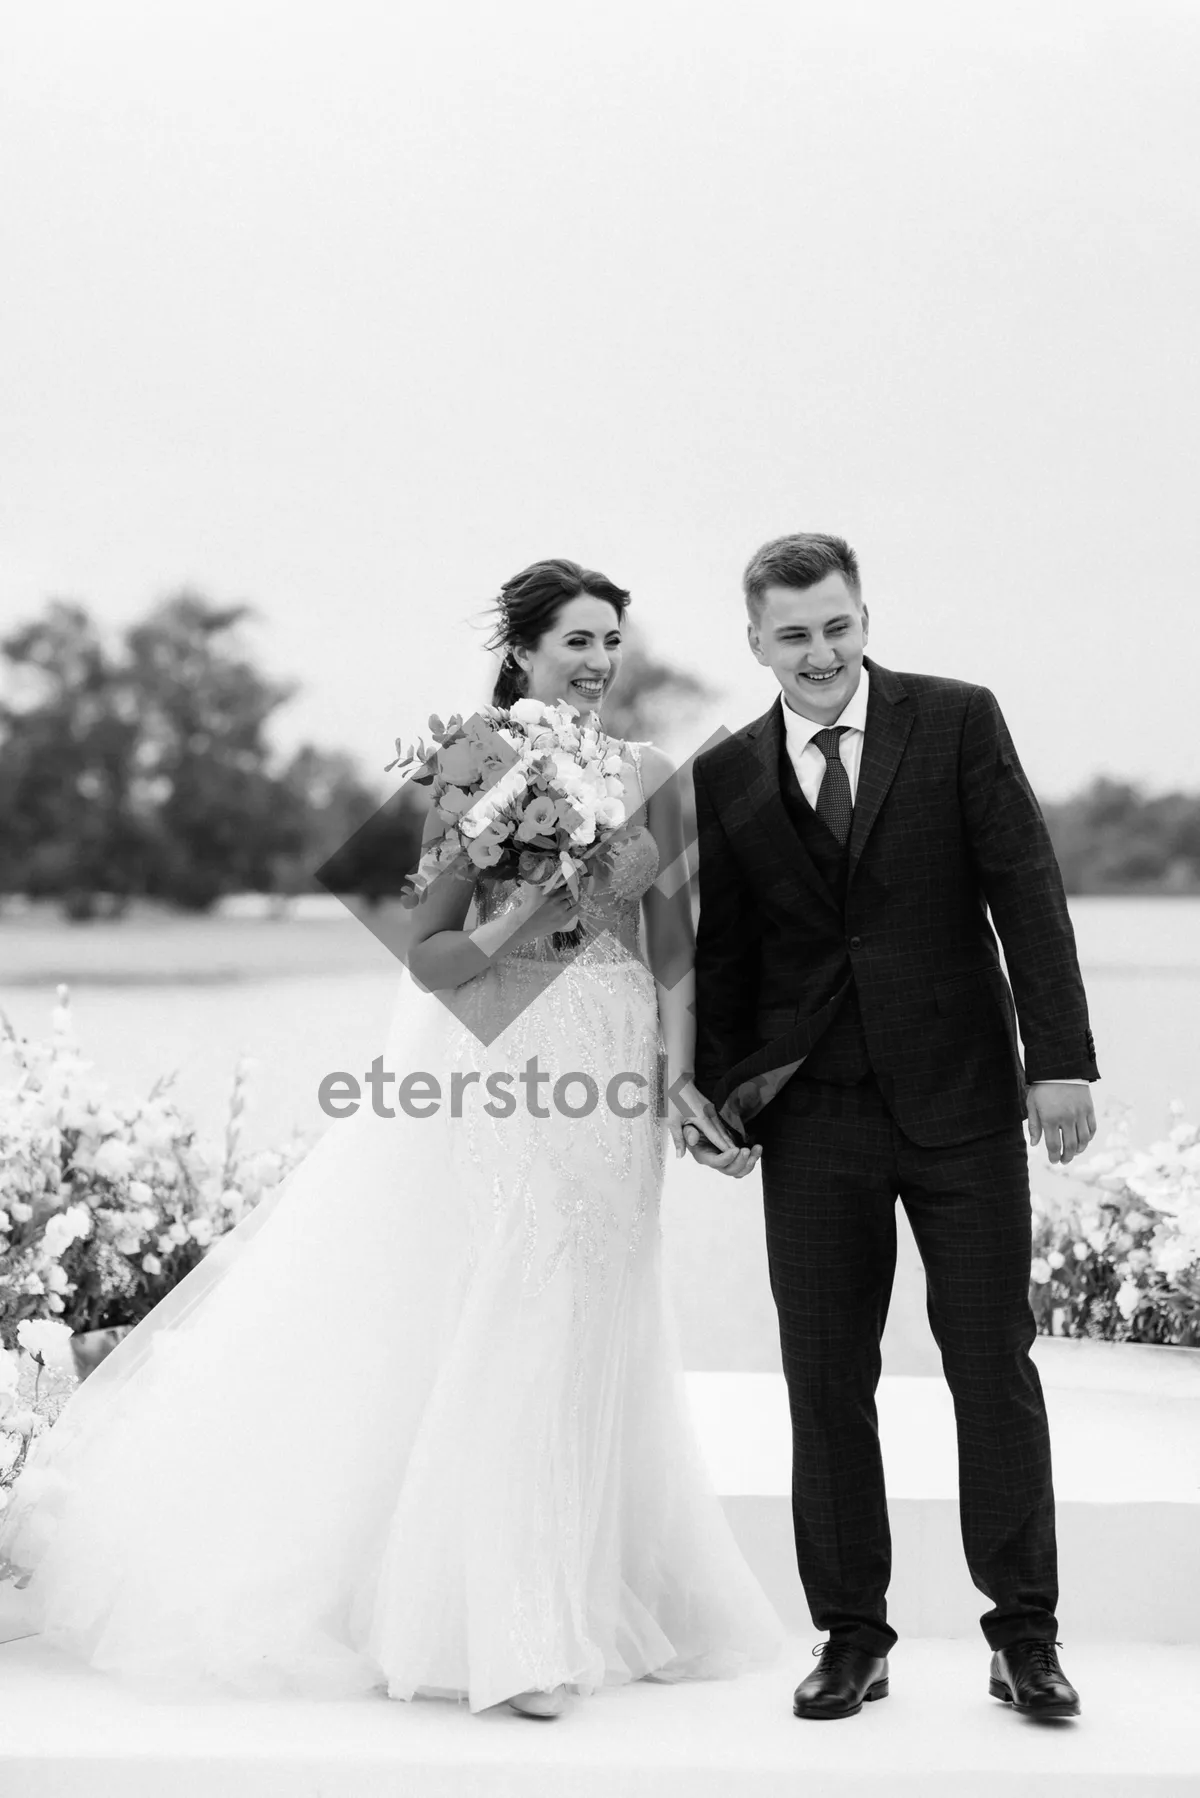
[(1125, 1430), (69, 1733)]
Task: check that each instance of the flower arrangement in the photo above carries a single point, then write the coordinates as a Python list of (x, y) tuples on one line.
[(104, 1207), (529, 793), (1120, 1260)]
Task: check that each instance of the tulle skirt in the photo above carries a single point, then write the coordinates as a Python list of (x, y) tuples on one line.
[(419, 1424)]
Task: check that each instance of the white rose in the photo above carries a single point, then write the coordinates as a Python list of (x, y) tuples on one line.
[(140, 1193), (1055, 1259), (55, 1302), (56, 1280), (128, 1243), (165, 1244), (21, 1212), (528, 711), (178, 1234), (151, 1264), (201, 1231), (1080, 1251), (1039, 1271)]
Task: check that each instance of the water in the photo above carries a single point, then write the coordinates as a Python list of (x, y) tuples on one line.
[(310, 998)]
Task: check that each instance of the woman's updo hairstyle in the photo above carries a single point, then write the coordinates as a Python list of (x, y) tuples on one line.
[(527, 607)]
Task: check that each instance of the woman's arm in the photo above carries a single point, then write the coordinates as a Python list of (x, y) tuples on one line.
[(442, 955), (671, 950)]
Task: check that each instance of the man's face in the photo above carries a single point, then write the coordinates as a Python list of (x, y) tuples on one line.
[(812, 639)]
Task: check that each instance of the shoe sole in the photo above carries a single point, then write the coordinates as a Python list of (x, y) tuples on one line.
[(878, 1690), (998, 1689)]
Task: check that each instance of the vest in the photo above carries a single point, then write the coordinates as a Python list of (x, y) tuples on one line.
[(840, 1056)]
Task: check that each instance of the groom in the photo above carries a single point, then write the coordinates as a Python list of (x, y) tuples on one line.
[(854, 1025)]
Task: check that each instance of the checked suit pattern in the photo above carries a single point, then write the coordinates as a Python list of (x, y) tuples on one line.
[(945, 831)]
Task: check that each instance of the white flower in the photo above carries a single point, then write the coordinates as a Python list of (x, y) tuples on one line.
[(147, 1217), (128, 1243), (529, 711), (151, 1264), (178, 1234), (1080, 1251), (140, 1193), (201, 1230), (165, 1244), (5, 1224), (1056, 1259), (41, 1336), (1128, 1299), (114, 1159), (21, 1212), (9, 1371), (64, 1228), (10, 1448), (231, 1198), (610, 812), (1039, 1270), (55, 1302), (56, 1280), (1170, 1255), (22, 1422)]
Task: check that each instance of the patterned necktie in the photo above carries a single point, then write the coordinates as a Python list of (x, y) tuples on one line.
[(834, 805)]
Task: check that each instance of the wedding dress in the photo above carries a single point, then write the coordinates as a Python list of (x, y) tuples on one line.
[(419, 1423)]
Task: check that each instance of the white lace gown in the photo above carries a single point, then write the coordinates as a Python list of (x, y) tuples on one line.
[(420, 1425)]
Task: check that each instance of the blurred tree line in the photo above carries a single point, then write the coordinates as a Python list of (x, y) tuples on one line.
[(146, 772)]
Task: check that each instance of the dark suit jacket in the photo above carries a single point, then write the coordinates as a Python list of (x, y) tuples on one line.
[(945, 827)]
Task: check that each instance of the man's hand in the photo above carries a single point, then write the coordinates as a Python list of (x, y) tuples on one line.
[(1063, 1113), (737, 1161)]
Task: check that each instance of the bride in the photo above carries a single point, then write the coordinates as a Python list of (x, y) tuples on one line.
[(419, 1422)]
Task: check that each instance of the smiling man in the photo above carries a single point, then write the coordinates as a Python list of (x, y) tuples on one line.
[(854, 1023)]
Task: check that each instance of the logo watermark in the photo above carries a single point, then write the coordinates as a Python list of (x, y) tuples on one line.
[(575, 1094)]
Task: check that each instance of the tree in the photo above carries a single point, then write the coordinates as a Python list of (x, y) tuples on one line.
[(69, 822), (224, 819)]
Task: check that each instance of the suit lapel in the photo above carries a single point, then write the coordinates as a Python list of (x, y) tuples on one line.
[(764, 743), (889, 720)]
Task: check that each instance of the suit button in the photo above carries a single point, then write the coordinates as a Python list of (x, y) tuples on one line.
[(856, 942)]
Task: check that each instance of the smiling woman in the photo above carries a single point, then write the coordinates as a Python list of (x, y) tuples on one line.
[(559, 627)]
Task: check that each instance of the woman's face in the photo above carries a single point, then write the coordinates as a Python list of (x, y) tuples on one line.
[(578, 657)]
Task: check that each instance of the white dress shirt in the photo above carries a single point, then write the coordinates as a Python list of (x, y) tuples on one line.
[(809, 763), (807, 759)]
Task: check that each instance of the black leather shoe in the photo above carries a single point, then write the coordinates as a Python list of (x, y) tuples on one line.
[(1027, 1676), (845, 1678)]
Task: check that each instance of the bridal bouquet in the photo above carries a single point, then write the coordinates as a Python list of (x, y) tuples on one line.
[(528, 793)]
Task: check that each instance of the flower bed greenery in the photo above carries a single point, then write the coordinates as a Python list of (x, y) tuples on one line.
[(1116, 1248)]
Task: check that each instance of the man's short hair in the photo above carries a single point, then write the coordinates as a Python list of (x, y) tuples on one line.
[(800, 560)]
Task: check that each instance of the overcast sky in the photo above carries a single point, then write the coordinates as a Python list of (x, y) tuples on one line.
[(352, 310)]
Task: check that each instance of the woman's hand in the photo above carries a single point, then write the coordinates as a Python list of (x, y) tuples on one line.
[(695, 1125), (538, 913)]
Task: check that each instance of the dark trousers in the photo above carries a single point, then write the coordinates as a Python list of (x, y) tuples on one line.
[(833, 1165)]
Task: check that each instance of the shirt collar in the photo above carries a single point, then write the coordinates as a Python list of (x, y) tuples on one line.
[(801, 730)]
